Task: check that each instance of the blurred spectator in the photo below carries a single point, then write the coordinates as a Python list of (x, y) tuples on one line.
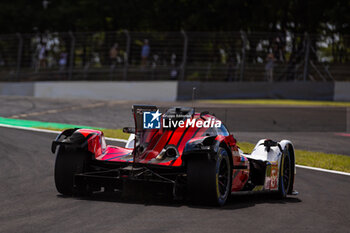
[(173, 72), (155, 61), (278, 50), (173, 59), (95, 60), (52, 49), (42, 55), (145, 53), (270, 60), (222, 55), (113, 55), (63, 61)]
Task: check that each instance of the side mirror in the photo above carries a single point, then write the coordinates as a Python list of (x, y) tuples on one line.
[(128, 130)]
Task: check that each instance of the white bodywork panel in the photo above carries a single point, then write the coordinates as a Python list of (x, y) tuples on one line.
[(272, 159), (260, 153), (130, 142)]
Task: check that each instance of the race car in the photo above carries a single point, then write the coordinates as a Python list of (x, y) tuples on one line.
[(192, 154)]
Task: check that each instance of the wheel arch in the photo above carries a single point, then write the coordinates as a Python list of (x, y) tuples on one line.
[(212, 144), (224, 145), (88, 140)]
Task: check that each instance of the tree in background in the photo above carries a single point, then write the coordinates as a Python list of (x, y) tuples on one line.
[(173, 15)]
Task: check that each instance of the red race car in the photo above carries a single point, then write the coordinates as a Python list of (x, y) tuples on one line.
[(191, 153)]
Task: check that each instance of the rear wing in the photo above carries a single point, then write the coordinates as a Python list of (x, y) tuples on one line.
[(138, 112)]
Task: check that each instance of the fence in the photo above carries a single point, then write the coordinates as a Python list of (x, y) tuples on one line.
[(190, 56)]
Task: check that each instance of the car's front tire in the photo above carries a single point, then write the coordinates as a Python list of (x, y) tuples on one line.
[(286, 173), (209, 181)]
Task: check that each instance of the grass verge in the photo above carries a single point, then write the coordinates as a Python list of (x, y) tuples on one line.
[(279, 102), (116, 133), (303, 157)]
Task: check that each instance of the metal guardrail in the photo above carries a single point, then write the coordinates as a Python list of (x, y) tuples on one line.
[(191, 56)]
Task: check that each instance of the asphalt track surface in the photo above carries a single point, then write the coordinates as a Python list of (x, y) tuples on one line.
[(30, 203)]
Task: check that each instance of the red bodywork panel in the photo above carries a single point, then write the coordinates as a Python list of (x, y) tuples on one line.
[(156, 139)]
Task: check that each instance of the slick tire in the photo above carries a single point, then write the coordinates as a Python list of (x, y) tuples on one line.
[(209, 181), (286, 173), (69, 161)]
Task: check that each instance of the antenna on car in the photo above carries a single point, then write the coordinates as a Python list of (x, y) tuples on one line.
[(193, 96)]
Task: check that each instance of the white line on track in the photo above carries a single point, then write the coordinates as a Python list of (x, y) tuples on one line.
[(53, 131), (122, 140), (29, 129), (323, 170), (116, 140)]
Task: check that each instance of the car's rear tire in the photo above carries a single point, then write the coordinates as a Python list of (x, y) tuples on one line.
[(209, 181), (69, 161), (286, 174)]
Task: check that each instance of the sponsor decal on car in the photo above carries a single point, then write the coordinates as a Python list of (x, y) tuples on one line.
[(274, 176), (152, 120)]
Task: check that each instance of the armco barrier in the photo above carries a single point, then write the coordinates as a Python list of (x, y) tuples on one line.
[(257, 90), (342, 91), (17, 88), (173, 90), (144, 90)]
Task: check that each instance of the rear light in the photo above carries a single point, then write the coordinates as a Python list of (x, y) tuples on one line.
[(171, 152)]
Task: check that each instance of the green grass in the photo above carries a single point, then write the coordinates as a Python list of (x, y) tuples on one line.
[(312, 159), (279, 102), (246, 147), (302, 157), (115, 133), (323, 160)]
